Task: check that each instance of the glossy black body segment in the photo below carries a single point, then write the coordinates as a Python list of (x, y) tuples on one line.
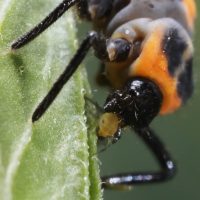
[(137, 103), (167, 165)]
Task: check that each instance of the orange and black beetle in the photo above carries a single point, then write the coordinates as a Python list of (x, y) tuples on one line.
[(147, 51)]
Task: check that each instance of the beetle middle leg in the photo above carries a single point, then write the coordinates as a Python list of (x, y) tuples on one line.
[(94, 40), (66, 75)]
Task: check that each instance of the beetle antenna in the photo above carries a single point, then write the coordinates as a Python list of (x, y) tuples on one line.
[(44, 24), (97, 106), (64, 77)]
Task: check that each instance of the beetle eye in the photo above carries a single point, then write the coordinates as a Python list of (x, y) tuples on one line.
[(118, 49)]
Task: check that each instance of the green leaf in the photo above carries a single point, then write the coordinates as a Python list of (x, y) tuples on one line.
[(53, 158)]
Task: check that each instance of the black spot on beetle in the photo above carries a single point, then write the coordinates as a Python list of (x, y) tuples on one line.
[(185, 82), (173, 47), (151, 5)]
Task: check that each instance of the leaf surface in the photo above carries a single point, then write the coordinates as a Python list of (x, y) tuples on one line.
[(52, 158)]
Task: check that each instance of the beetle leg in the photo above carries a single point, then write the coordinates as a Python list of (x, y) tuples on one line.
[(65, 76), (44, 24), (100, 9), (168, 169)]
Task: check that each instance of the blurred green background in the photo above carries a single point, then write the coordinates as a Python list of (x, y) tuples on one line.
[(180, 132)]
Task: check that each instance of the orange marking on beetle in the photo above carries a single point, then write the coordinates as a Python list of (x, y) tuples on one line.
[(152, 64), (191, 12)]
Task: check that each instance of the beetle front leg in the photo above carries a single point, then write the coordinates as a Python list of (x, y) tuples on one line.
[(127, 180)]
